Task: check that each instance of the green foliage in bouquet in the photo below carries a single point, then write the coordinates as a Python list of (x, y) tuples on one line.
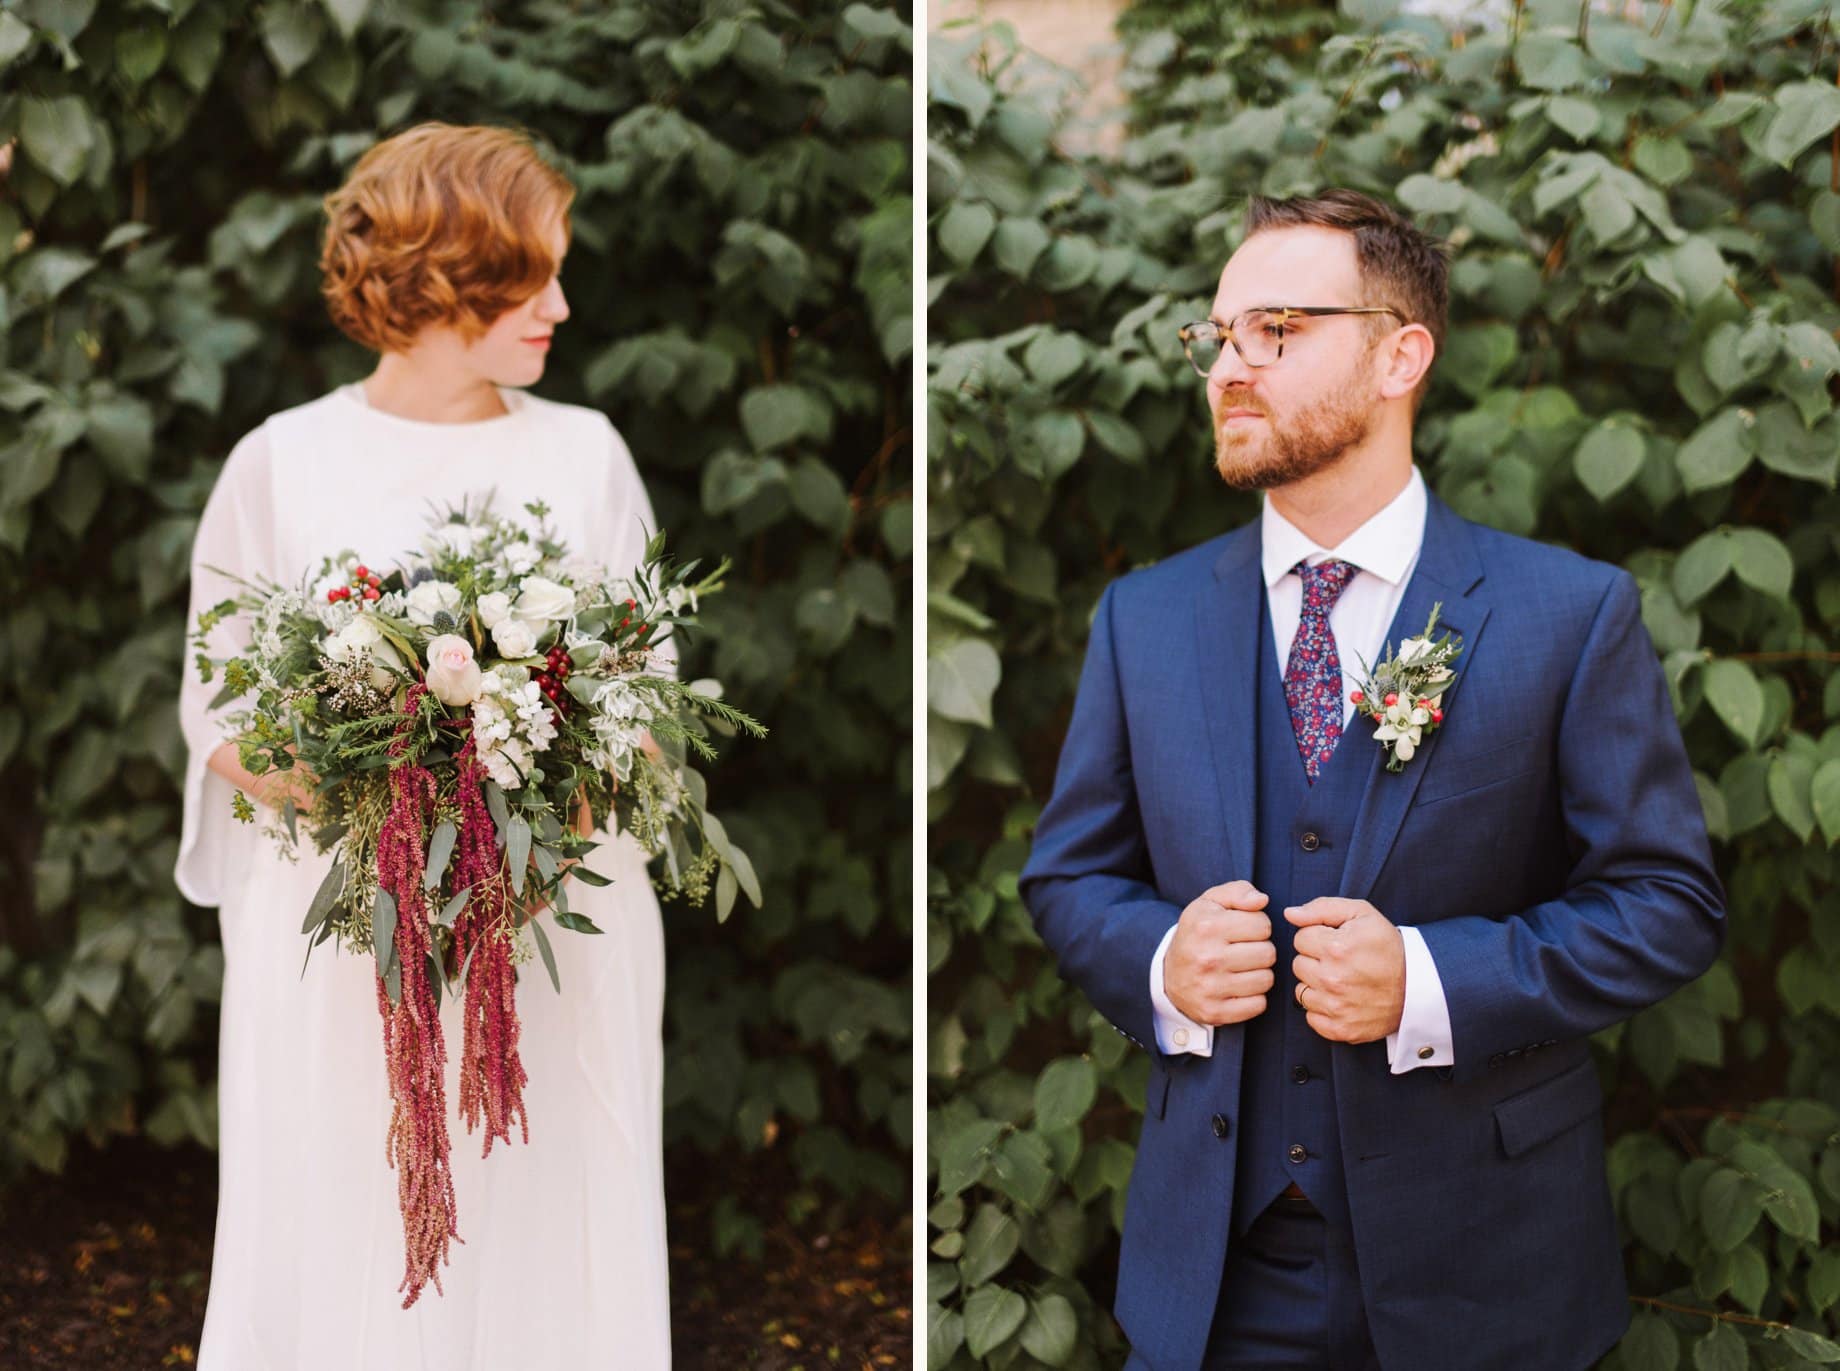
[(740, 288), (1644, 205)]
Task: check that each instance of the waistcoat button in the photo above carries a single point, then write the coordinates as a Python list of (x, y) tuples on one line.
[(1310, 842), (1300, 1074), (1220, 1125), (1297, 1152)]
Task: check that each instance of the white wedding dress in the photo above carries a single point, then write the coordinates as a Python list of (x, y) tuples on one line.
[(562, 1263)]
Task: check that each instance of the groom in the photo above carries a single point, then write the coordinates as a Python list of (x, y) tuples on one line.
[(1372, 1134)]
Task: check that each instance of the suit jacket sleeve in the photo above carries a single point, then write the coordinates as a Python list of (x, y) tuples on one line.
[(1643, 910), (1087, 882)]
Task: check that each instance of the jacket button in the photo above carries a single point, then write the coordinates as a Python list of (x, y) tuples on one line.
[(1297, 1152), (1310, 842), (1220, 1125), (1300, 1074)]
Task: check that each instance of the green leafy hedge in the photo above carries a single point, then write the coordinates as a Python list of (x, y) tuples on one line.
[(740, 295), (1641, 364)]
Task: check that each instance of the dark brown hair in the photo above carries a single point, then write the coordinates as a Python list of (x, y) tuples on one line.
[(1401, 265), (441, 224)]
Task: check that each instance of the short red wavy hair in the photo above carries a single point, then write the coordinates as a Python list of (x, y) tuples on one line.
[(440, 224)]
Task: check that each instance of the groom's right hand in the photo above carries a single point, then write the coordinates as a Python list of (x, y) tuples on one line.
[(1219, 964)]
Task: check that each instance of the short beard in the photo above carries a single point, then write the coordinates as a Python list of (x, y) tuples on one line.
[(1314, 441)]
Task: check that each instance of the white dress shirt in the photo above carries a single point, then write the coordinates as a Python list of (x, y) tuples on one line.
[(1384, 550)]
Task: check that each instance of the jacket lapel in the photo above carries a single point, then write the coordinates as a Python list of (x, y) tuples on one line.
[(1227, 623), (1448, 568)]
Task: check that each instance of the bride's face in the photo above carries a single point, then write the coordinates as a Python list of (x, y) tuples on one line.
[(512, 351)]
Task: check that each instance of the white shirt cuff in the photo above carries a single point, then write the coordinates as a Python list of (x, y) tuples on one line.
[(1423, 1038), (1175, 1031)]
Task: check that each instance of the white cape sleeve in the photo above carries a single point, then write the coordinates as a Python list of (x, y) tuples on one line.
[(234, 536), (630, 522)]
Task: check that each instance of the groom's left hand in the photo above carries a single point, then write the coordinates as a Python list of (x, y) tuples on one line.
[(1351, 960)]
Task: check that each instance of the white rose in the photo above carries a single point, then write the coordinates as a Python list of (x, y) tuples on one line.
[(493, 607), (432, 597), (360, 634), (514, 637), (453, 675), (544, 599), (521, 557), (457, 539), (1414, 648)]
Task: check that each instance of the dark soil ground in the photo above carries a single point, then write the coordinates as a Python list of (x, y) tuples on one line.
[(105, 1268)]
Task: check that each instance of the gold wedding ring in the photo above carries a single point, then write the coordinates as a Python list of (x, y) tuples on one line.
[(1299, 997)]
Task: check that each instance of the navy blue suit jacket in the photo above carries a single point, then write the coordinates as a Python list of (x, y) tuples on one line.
[(1547, 840)]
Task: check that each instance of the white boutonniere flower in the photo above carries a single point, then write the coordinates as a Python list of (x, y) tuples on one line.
[(1403, 694)]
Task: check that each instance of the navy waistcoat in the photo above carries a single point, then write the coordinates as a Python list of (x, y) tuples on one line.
[(1287, 1087)]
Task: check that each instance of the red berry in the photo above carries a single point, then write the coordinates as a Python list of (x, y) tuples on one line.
[(1356, 696), (632, 604), (1391, 698), (374, 578), (1437, 716), (332, 596), (372, 593), (360, 571)]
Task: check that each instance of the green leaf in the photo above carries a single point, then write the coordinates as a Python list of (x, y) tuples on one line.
[(1053, 357), (517, 851), (1722, 1349), (992, 1315), (1811, 1346), (1649, 1345), (990, 1242), (383, 932), (1790, 778), (547, 953), (1729, 1209), (1805, 111), (1018, 244), (1736, 697), (961, 678), (963, 231), (1051, 1330), (56, 134), (1064, 1091), (330, 888), (451, 910), (1609, 457), (575, 923), (440, 848), (1824, 798), (1717, 451)]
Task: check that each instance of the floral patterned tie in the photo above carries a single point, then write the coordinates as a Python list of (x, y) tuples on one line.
[(1313, 676)]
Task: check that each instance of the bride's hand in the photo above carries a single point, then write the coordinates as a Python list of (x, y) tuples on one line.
[(276, 788)]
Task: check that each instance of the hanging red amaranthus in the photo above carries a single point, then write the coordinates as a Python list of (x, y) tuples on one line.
[(414, 1054), (492, 1076)]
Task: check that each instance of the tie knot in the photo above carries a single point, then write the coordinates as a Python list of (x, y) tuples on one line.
[(1326, 580)]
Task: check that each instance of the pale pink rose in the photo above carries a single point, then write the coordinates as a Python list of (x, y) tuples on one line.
[(453, 675)]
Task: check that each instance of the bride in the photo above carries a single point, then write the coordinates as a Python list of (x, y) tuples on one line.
[(442, 253)]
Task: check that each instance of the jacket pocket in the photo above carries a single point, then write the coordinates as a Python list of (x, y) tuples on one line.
[(1460, 773), (1546, 1110)]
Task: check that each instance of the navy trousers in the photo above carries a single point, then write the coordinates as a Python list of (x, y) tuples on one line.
[(1290, 1298)]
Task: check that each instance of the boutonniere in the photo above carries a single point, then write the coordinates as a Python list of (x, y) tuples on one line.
[(1404, 693)]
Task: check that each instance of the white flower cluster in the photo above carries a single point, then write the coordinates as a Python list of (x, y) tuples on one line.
[(621, 717), (511, 724)]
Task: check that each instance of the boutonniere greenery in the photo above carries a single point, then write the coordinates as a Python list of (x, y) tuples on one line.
[(1404, 693)]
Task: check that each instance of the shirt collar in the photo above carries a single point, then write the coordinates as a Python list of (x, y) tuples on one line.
[(1385, 545)]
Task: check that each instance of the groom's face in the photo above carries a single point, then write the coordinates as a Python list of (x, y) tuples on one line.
[(1317, 401)]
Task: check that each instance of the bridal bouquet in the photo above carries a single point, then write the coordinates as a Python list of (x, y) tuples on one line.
[(458, 726)]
